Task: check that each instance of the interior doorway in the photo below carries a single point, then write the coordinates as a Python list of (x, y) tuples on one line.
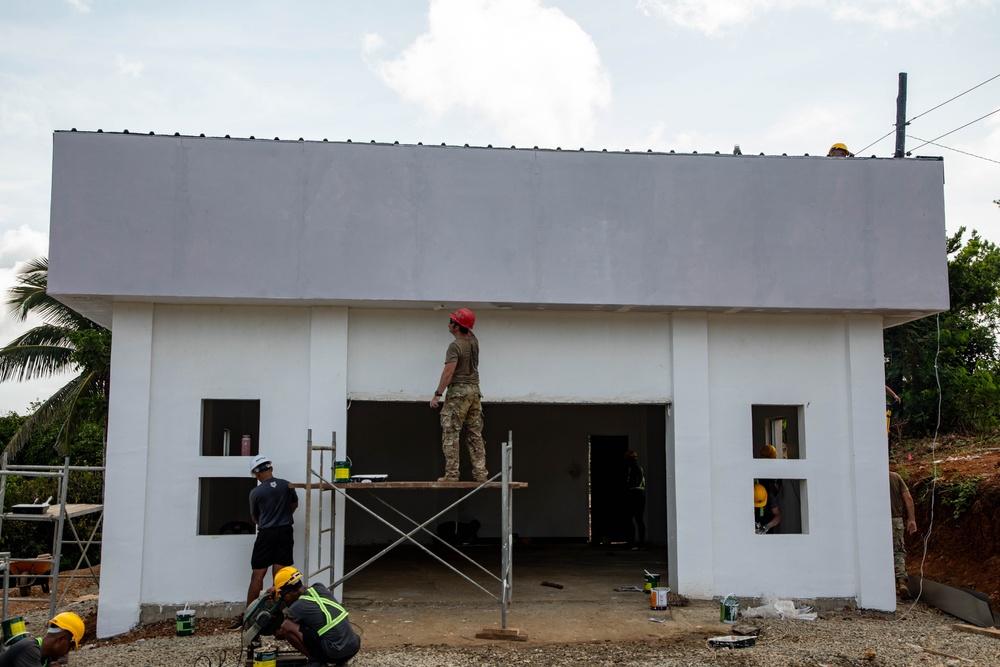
[(607, 488)]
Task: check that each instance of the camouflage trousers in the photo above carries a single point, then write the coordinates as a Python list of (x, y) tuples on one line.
[(898, 547), (463, 409)]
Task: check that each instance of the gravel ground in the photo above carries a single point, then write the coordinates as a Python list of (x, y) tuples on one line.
[(923, 636)]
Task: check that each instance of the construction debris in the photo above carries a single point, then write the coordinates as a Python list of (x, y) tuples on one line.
[(552, 584), (508, 634), (921, 649), (989, 632)]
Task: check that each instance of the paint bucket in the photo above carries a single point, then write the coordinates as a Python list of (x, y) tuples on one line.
[(729, 609), (185, 622), (265, 656), (652, 581), (14, 630), (658, 598), (342, 471)]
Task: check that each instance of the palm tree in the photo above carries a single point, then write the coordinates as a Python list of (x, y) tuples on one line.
[(67, 341)]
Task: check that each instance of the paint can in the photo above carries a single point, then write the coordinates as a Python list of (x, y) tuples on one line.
[(729, 609), (342, 471), (652, 581), (14, 630), (658, 599), (185, 622), (265, 656)]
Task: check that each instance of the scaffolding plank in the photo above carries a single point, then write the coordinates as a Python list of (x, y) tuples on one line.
[(411, 486)]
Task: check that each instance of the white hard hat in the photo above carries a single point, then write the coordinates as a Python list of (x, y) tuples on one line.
[(260, 461)]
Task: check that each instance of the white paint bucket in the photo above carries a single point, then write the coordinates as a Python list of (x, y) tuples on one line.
[(658, 599)]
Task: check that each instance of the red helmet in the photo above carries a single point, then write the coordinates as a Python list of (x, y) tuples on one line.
[(464, 317)]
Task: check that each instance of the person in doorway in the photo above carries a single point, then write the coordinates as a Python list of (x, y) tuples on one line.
[(839, 150), (635, 499), (899, 497), (462, 408), (272, 504), (63, 634), (766, 513), (315, 624)]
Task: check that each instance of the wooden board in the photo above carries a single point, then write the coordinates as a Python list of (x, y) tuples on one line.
[(407, 486), (989, 632), (507, 634)]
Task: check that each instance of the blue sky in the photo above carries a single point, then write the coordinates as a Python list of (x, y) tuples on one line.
[(775, 76)]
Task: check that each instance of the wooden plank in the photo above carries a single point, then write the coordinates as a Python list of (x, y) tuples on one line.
[(507, 634), (407, 486), (989, 632)]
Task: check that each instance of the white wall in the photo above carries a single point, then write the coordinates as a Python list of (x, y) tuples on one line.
[(831, 366), (302, 364), (550, 357)]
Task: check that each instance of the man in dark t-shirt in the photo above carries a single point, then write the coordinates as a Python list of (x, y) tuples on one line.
[(315, 624), (63, 634), (272, 504)]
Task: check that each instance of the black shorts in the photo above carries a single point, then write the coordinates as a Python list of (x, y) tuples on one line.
[(315, 647), (272, 547)]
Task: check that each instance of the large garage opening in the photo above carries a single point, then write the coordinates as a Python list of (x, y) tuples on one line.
[(554, 448)]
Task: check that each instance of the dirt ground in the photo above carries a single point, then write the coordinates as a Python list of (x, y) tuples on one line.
[(962, 551)]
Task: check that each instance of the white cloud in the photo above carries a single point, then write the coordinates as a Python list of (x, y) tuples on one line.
[(129, 68), (79, 5), (371, 42), (717, 16), (529, 71), (19, 245)]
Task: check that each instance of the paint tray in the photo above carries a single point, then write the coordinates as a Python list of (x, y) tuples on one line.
[(369, 478), (732, 641)]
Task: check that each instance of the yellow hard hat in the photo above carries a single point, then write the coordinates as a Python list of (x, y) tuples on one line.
[(768, 452), (842, 147), (286, 577), (71, 623), (759, 495)]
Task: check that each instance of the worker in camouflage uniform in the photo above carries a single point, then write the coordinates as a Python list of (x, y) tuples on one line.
[(463, 406)]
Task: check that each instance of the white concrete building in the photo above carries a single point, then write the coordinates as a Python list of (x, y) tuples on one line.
[(691, 307)]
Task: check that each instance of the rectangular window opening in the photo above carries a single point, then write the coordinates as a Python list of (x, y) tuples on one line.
[(780, 507), (780, 427), (224, 505), (230, 427)]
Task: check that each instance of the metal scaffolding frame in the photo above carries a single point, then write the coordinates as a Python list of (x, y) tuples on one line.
[(316, 481), (62, 514)]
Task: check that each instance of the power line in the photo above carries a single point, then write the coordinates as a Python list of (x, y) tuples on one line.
[(952, 99), (952, 149), (875, 142), (997, 76), (956, 129)]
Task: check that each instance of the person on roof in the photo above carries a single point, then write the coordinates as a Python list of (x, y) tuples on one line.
[(272, 504), (839, 150), (463, 406), (63, 634), (315, 624)]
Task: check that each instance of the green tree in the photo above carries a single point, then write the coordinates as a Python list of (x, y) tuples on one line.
[(65, 342), (965, 354)]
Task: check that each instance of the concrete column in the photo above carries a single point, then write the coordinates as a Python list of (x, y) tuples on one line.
[(689, 494), (870, 464), (125, 476), (328, 414)]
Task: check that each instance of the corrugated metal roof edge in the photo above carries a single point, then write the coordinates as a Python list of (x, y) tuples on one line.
[(648, 151)]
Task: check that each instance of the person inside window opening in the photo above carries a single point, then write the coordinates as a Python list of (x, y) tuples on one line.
[(766, 513)]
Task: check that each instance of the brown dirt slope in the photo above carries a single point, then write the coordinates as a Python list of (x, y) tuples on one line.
[(964, 544)]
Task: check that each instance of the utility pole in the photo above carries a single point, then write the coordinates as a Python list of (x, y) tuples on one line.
[(901, 117)]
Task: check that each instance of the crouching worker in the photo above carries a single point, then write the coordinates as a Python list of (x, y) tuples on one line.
[(64, 633), (315, 624)]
